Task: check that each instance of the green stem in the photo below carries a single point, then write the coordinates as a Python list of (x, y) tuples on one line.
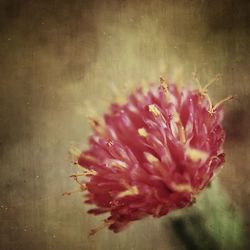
[(213, 223)]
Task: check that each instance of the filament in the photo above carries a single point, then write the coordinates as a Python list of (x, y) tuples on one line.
[(103, 225)]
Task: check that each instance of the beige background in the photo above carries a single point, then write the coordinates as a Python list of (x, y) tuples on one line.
[(57, 55)]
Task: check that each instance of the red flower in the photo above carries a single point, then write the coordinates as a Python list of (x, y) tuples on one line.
[(153, 155)]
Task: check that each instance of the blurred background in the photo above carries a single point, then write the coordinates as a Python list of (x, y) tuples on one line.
[(61, 58)]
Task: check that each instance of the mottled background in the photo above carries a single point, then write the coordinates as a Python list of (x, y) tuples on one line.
[(56, 56)]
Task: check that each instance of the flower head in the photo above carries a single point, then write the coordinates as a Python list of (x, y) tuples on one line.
[(153, 154)]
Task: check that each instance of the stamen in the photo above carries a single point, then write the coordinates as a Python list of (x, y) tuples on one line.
[(81, 189), (74, 154), (210, 110), (222, 101), (86, 172), (96, 126), (79, 166), (164, 86), (90, 172), (83, 186), (93, 122), (203, 92), (76, 175), (153, 109), (131, 191), (101, 226), (142, 132), (216, 78), (195, 77), (164, 83)]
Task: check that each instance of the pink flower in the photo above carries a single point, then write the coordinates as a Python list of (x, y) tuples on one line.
[(153, 154)]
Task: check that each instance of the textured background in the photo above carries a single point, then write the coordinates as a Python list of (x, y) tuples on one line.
[(58, 55)]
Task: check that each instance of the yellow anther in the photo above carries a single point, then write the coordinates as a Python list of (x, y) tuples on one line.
[(131, 191), (203, 92), (164, 86), (142, 132), (196, 155), (153, 109)]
